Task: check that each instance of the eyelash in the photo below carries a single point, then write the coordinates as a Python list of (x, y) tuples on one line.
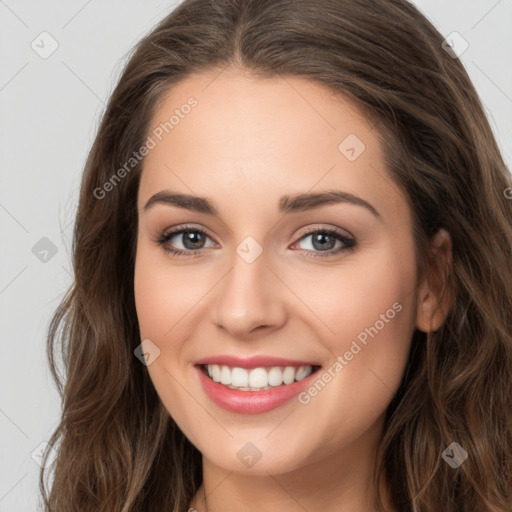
[(349, 243)]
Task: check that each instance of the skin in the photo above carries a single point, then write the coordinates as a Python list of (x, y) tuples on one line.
[(248, 142)]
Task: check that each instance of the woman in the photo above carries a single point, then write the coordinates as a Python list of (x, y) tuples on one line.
[(292, 273)]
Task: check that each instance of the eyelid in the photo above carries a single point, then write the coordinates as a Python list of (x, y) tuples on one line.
[(175, 230), (322, 227)]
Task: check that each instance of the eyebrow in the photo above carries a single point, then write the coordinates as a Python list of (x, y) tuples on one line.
[(287, 204)]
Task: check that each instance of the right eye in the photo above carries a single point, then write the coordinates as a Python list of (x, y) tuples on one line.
[(192, 237)]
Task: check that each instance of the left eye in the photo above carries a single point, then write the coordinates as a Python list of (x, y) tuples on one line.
[(323, 242)]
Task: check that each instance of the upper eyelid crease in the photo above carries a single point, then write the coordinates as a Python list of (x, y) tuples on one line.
[(287, 204)]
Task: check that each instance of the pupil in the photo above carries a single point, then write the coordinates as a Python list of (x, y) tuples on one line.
[(321, 236)]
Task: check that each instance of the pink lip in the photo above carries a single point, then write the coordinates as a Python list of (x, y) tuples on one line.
[(252, 362), (252, 402)]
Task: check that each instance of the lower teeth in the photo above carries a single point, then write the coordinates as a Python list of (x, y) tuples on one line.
[(251, 389)]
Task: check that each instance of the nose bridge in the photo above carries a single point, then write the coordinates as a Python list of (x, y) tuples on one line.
[(249, 295)]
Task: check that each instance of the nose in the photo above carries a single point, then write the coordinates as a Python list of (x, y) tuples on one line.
[(250, 298)]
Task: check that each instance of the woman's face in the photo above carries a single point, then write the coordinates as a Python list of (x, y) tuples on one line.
[(307, 256)]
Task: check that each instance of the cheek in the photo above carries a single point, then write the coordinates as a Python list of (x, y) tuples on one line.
[(366, 291), (369, 310), (162, 302), (150, 300), (163, 294)]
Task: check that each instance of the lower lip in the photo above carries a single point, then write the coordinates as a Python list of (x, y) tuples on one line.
[(251, 402)]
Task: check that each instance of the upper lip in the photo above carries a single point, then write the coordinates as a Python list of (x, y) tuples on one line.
[(252, 362)]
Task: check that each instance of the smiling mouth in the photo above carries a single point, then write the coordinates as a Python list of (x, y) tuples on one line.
[(257, 379)]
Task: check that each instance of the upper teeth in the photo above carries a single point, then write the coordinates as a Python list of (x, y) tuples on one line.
[(257, 378)]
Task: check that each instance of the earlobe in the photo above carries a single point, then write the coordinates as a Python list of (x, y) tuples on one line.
[(435, 292)]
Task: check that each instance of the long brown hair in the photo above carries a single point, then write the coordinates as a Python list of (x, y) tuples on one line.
[(117, 447)]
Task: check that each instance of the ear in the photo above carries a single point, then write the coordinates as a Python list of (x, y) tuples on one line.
[(435, 293)]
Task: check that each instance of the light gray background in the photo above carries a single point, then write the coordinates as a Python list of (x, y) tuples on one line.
[(49, 111)]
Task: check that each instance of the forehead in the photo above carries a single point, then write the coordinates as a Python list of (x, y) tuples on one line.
[(241, 116), (262, 137)]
